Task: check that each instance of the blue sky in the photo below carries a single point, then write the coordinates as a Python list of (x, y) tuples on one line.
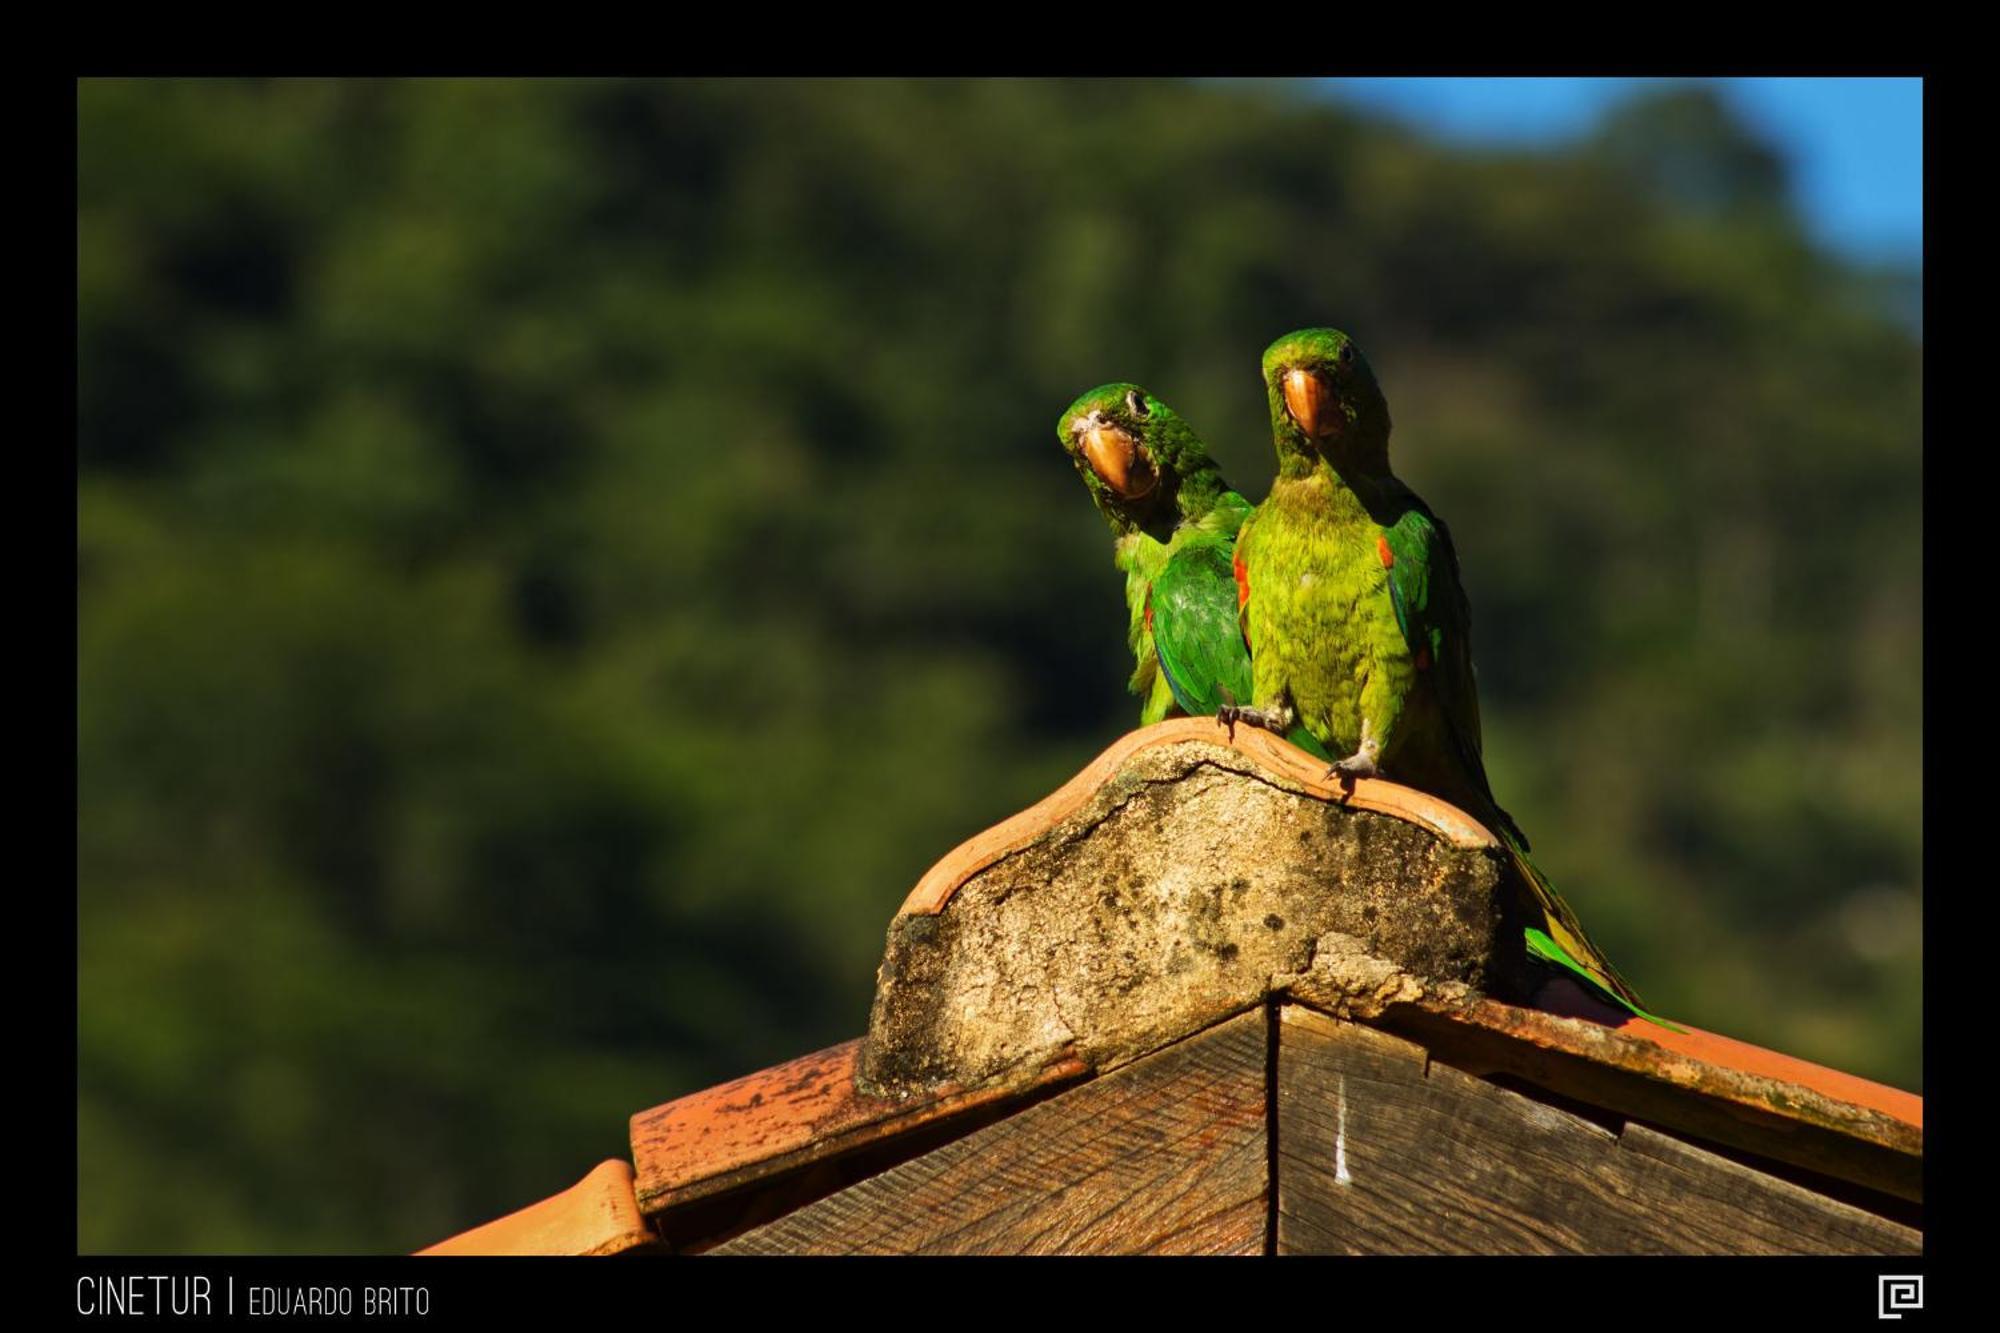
[(1855, 145)]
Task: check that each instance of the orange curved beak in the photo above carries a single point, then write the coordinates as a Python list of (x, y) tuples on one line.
[(1115, 456), (1310, 400)]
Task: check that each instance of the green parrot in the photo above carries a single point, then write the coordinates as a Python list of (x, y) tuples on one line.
[(1174, 520), (1357, 622)]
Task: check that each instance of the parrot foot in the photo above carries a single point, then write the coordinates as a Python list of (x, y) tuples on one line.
[(1276, 719), (1360, 764)]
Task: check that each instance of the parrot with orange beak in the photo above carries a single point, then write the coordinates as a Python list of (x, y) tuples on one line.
[(1357, 621), (1173, 521)]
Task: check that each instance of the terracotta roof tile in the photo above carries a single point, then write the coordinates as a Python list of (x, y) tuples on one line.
[(595, 1216)]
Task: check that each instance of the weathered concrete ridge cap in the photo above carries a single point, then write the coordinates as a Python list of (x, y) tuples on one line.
[(1184, 875), (1273, 753)]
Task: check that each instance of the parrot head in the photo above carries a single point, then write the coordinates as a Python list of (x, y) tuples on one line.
[(1142, 463), (1324, 398)]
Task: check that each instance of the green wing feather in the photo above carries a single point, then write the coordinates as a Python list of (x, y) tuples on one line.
[(1190, 594), (1436, 620), (1195, 630)]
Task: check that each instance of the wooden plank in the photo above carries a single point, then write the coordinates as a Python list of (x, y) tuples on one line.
[(792, 1115), (1698, 1083), (595, 1216), (1165, 1156), (1778, 1212), (1237, 1229), (1381, 1151), (708, 1222)]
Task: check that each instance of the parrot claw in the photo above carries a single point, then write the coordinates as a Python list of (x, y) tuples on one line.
[(1360, 764), (1278, 719)]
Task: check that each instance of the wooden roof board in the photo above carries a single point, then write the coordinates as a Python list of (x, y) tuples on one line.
[(1167, 1155), (1313, 1135), (761, 1126), (791, 1115), (1382, 1151), (1720, 1089)]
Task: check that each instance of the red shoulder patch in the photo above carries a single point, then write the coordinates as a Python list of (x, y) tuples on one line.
[(1242, 579), (1149, 610), (1382, 550)]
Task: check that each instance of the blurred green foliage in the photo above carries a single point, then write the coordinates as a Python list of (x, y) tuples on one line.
[(556, 561)]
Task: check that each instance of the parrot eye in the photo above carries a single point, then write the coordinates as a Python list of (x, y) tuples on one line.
[(1346, 353), (1137, 403)]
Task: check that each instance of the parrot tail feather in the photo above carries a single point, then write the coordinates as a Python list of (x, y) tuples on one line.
[(1565, 945), (1542, 947)]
